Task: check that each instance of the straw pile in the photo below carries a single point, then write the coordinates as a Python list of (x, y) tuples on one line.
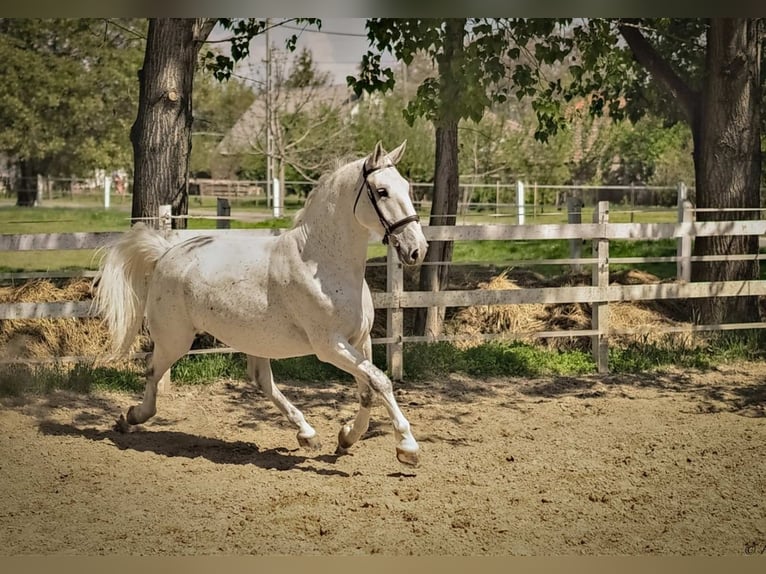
[(50, 338), (518, 321), (514, 320)]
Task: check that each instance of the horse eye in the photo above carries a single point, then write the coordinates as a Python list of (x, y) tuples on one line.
[(382, 192)]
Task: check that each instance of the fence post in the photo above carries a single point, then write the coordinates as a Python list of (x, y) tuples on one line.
[(394, 316), (107, 191), (600, 279), (223, 209), (574, 215), (520, 206), (684, 243), (164, 222)]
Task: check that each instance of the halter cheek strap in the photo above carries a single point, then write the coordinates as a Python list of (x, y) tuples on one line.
[(388, 227)]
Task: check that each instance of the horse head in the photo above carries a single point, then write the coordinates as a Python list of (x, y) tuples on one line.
[(389, 206)]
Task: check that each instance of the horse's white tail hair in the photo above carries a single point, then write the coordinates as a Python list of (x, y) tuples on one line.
[(122, 283)]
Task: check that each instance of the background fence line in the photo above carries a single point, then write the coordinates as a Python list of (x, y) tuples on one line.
[(395, 299)]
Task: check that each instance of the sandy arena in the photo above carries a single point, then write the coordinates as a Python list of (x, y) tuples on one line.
[(617, 465)]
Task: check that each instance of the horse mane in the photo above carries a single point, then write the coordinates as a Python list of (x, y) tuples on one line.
[(323, 185)]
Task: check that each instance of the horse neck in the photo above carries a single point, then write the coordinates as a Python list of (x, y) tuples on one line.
[(329, 227)]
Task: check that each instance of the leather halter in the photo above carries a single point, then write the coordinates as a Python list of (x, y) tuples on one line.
[(388, 227)]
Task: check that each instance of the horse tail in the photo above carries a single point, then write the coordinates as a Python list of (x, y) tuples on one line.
[(122, 283)]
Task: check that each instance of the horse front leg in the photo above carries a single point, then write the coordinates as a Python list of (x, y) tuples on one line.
[(259, 370), (341, 353)]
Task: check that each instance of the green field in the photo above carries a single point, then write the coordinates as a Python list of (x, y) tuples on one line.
[(86, 214)]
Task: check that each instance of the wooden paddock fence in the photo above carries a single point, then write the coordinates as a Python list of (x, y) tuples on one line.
[(600, 294)]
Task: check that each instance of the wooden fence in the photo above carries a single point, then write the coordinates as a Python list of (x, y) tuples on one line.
[(224, 187), (395, 299)]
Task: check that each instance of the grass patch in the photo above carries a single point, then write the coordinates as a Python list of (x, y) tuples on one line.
[(202, 369), (62, 219), (717, 348), (514, 359), (307, 368), (422, 361), (18, 379), (647, 357), (198, 369)]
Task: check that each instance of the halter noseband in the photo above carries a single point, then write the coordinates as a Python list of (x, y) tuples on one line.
[(388, 227)]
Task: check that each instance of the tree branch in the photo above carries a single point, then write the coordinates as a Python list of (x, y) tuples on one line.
[(202, 29), (646, 55)]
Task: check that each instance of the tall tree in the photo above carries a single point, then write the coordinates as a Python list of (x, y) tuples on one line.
[(66, 95), (468, 57), (706, 72), (304, 73), (161, 134)]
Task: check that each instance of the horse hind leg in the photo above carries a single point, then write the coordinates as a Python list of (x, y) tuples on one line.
[(350, 433), (166, 352), (259, 370)]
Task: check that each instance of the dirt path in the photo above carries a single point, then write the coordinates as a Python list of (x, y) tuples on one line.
[(667, 464)]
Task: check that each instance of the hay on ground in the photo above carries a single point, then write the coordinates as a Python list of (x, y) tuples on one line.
[(650, 318), (40, 339)]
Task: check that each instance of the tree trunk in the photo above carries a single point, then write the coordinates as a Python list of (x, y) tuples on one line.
[(428, 321), (161, 134), (446, 191), (725, 121), (728, 162), (27, 192)]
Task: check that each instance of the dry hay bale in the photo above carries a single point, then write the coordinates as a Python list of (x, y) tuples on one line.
[(43, 290), (649, 322), (633, 277), (651, 316), (569, 280), (509, 319), (51, 338)]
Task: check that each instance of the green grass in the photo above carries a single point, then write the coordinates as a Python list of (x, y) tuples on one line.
[(86, 214), (60, 218), (195, 369), (719, 348), (515, 359), (422, 361), (17, 379), (496, 359)]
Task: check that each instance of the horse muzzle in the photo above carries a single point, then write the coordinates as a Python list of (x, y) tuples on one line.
[(410, 244)]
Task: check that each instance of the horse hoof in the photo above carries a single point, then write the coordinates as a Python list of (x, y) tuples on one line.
[(122, 425), (408, 458), (343, 443), (131, 417), (312, 443)]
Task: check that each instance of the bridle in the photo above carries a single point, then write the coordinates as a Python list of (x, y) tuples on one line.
[(388, 227)]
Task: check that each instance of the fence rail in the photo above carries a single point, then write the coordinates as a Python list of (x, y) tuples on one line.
[(600, 294)]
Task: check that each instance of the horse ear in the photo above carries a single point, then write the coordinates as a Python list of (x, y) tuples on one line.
[(397, 154), (376, 156)]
